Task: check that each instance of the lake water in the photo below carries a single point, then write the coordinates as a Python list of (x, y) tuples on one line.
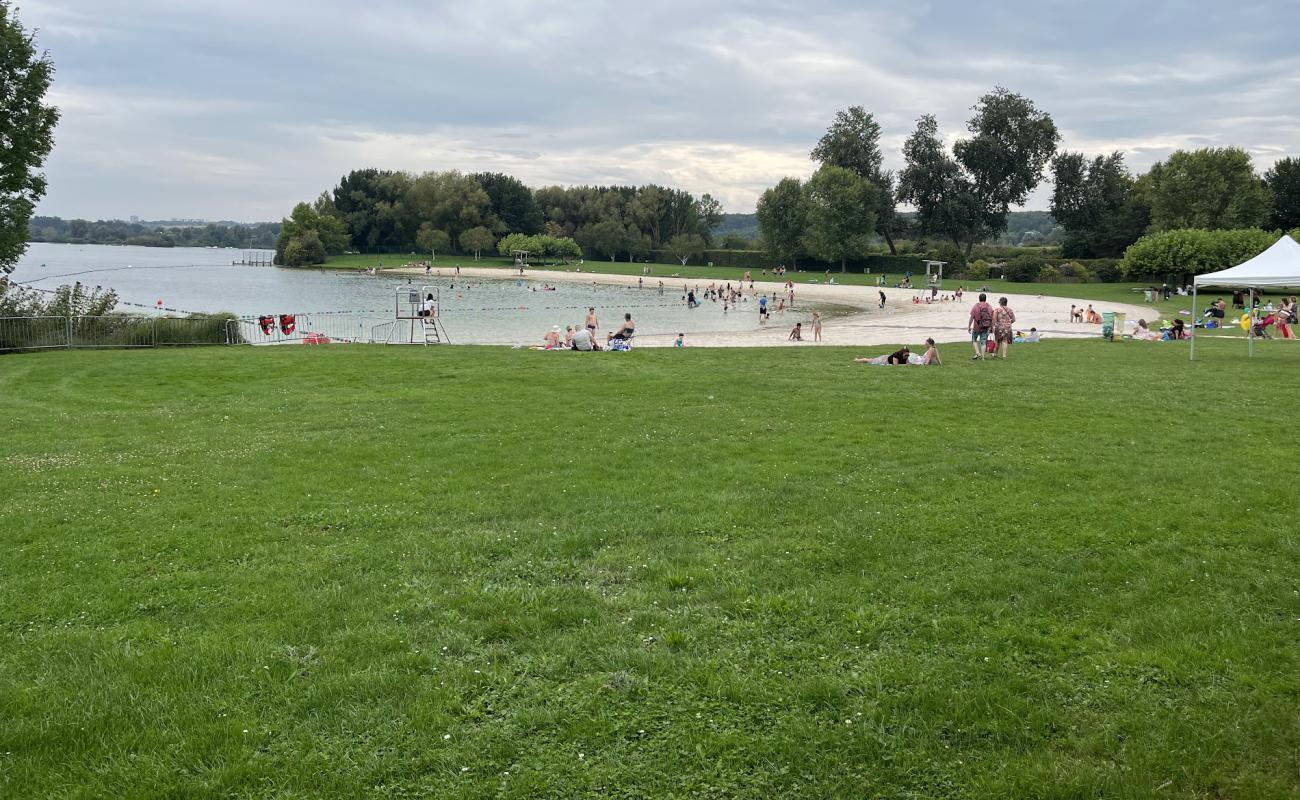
[(473, 310)]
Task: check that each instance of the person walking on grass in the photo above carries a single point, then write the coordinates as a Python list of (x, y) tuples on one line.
[(979, 325), (1003, 319)]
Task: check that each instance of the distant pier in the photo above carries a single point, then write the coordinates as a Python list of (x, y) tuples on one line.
[(255, 258)]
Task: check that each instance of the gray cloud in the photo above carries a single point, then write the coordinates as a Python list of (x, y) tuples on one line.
[(240, 109)]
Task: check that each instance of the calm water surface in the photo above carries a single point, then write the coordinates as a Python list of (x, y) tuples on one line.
[(473, 310)]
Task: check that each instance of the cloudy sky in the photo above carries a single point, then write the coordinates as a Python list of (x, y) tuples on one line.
[(238, 109)]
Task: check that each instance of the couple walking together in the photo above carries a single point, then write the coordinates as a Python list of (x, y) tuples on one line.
[(985, 320)]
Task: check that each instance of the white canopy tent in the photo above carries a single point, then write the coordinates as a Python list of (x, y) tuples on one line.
[(1279, 265)]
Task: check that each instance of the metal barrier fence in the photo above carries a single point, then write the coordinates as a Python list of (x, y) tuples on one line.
[(346, 327), (119, 331), (35, 333)]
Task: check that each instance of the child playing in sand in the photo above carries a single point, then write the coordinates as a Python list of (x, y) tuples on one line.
[(796, 333)]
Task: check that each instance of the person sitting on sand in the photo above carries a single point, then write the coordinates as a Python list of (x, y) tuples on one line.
[(552, 338), (568, 337), (796, 333), (1093, 317)]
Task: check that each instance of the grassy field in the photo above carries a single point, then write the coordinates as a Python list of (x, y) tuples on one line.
[(304, 572)]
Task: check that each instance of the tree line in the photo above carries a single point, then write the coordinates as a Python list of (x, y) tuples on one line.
[(963, 194), (152, 234), (372, 210)]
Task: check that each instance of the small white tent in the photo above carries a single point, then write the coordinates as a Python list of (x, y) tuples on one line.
[(1279, 265)]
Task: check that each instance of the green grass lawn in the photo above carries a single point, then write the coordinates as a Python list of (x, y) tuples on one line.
[(477, 572)]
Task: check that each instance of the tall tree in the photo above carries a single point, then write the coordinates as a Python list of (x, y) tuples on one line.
[(370, 202), (608, 238), (26, 132), (1096, 203), (710, 212), (933, 182), (781, 217), (511, 204), (1011, 143), (968, 197), (841, 214), (1283, 180), (1210, 188), (853, 142)]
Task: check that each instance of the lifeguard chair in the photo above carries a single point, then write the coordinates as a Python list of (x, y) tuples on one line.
[(417, 314), (934, 272)]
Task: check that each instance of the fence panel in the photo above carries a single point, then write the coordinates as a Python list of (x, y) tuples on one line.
[(33, 333), (179, 331), (112, 331)]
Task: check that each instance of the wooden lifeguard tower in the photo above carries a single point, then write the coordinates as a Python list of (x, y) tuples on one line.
[(417, 317)]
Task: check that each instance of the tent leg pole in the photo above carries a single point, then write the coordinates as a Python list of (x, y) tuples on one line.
[(1250, 331), (1191, 355)]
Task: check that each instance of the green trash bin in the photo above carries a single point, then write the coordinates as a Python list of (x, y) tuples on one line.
[(1108, 326)]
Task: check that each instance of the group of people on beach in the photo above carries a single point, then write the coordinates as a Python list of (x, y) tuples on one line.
[(584, 339)]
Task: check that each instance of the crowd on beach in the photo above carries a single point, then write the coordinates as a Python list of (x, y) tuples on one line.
[(584, 338)]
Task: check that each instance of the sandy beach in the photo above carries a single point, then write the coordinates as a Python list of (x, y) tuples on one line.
[(901, 321)]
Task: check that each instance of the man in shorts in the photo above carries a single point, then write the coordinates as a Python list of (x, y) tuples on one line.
[(979, 325)]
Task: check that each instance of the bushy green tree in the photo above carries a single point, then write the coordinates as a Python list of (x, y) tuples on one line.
[(608, 238), (476, 240), (684, 247), (516, 241), (430, 240), (1211, 189), (1096, 203), (511, 205), (304, 235), (781, 218), (853, 142), (967, 197), (26, 133), (1283, 181), (1024, 268), (840, 214), (1193, 251)]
